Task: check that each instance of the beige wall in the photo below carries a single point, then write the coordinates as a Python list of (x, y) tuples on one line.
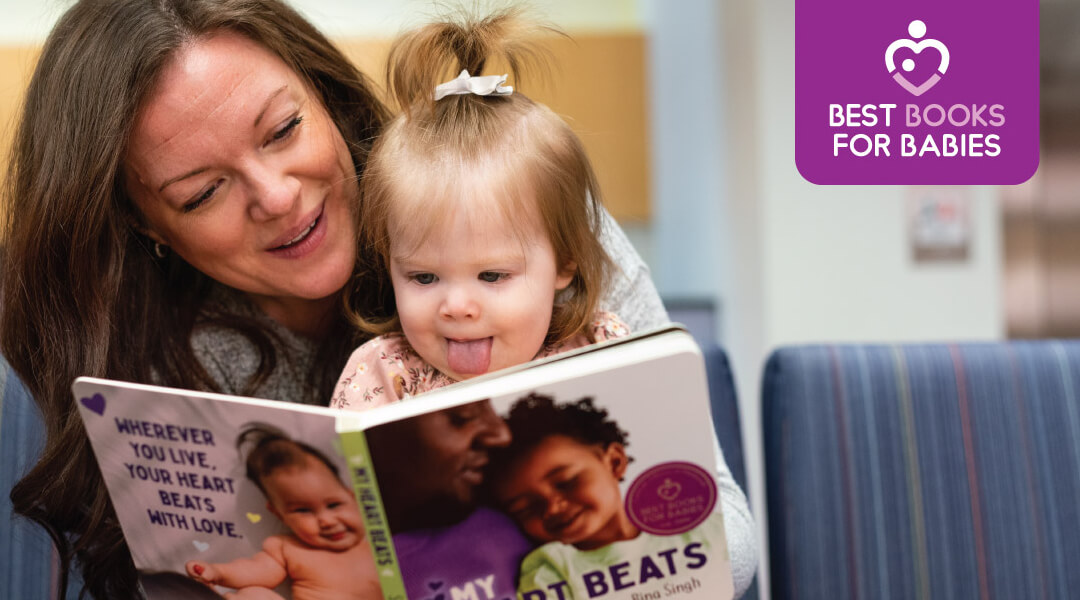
[(15, 65), (598, 86)]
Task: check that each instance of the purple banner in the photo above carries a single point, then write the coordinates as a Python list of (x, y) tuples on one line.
[(917, 92)]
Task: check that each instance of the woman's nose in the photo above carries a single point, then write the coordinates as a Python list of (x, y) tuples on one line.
[(459, 303), (274, 193)]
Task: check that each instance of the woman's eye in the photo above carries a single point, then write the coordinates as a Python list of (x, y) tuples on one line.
[(424, 278), (203, 197), (287, 130), (492, 276)]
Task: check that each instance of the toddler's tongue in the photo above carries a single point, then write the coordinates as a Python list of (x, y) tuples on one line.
[(469, 358)]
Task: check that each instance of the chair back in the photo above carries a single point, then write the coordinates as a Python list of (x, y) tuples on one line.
[(923, 471)]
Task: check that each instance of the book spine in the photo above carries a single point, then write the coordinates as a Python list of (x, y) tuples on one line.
[(355, 447)]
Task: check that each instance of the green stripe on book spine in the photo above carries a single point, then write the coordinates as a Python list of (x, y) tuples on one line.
[(366, 488)]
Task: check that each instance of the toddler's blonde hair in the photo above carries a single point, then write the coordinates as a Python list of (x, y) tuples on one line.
[(515, 150)]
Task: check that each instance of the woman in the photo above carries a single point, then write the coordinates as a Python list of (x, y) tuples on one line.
[(89, 285), (179, 211)]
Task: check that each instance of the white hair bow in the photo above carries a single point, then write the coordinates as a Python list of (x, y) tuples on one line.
[(481, 86)]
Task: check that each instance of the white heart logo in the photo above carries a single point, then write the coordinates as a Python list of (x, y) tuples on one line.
[(916, 29)]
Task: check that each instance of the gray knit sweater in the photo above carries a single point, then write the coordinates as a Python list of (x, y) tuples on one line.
[(231, 359)]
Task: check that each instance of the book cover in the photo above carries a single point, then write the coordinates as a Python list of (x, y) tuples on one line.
[(585, 475)]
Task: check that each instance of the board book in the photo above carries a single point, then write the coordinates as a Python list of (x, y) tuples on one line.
[(587, 475)]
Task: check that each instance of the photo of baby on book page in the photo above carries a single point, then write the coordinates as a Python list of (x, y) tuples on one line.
[(219, 497), (325, 553)]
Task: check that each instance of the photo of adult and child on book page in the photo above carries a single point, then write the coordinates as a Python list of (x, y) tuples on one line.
[(538, 506), (574, 488)]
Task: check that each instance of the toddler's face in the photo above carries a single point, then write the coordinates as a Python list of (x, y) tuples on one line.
[(476, 295), (315, 505), (567, 491)]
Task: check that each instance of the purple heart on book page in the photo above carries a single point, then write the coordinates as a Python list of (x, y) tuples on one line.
[(95, 403)]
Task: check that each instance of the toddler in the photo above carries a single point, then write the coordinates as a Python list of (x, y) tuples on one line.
[(482, 212), (326, 555), (559, 480)]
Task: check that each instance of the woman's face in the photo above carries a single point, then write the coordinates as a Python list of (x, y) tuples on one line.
[(237, 166)]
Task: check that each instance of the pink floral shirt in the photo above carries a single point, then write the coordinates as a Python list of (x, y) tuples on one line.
[(386, 369)]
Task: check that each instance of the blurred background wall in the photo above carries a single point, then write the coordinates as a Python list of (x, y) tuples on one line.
[(687, 109)]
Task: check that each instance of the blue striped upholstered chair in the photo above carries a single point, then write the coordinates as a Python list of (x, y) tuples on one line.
[(924, 471), (28, 565), (725, 411), (26, 561), (725, 416)]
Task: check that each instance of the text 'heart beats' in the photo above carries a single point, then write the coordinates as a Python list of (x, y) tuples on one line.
[(95, 403), (916, 29)]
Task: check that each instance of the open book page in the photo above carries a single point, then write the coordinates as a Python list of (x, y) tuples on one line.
[(196, 524), (584, 478)]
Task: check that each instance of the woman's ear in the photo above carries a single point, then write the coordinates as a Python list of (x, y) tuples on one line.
[(615, 457), (565, 275), (141, 228)]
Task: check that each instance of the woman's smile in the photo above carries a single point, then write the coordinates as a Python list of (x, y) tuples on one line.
[(302, 243)]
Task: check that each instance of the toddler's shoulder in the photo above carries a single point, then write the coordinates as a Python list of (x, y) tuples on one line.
[(373, 373), (390, 343), (608, 326), (603, 326)]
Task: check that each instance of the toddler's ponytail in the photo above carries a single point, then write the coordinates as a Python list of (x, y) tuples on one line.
[(437, 52)]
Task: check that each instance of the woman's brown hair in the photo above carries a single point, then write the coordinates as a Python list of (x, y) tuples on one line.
[(522, 151), (82, 292)]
